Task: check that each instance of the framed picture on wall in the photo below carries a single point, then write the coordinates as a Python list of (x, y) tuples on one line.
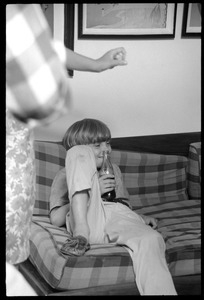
[(126, 20), (191, 20)]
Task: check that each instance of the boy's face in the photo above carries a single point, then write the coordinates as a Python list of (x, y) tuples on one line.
[(98, 149)]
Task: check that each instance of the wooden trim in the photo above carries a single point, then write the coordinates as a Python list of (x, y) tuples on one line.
[(185, 285), (169, 144), (108, 290), (40, 286), (69, 29)]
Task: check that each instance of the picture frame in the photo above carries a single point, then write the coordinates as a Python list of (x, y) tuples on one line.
[(191, 26), (126, 20), (69, 11)]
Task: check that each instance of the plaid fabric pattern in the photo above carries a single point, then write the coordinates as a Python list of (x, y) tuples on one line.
[(152, 178), (194, 171), (104, 265), (28, 39), (49, 159), (178, 222)]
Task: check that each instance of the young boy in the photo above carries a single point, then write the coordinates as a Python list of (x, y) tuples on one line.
[(91, 220)]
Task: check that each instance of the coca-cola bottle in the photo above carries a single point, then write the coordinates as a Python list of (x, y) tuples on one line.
[(107, 168)]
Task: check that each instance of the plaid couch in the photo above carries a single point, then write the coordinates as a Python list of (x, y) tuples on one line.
[(164, 186)]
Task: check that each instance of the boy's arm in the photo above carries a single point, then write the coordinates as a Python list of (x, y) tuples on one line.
[(150, 221), (58, 215)]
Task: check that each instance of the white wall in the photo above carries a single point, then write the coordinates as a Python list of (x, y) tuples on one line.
[(158, 92)]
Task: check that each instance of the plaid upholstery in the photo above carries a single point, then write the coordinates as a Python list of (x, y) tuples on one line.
[(194, 171), (49, 158), (152, 178), (99, 266), (179, 222)]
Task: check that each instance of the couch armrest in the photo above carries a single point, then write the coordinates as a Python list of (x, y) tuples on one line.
[(194, 171)]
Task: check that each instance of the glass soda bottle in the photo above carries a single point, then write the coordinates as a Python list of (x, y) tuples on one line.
[(107, 168)]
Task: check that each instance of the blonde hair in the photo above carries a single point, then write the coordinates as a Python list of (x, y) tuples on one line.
[(86, 131)]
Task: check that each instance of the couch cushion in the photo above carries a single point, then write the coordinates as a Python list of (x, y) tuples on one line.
[(194, 171), (179, 222), (152, 178), (49, 159), (104, 265)]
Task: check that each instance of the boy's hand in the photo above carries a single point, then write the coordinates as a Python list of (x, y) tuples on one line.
[(106, 183), (75, 246), (150, 221)]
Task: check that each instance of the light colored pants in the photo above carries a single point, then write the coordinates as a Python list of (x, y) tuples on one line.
[(116, 223), (146, 247)]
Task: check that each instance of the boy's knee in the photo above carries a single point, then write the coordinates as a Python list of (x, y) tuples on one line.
[(80, 151), (154, 239), (153, 234)]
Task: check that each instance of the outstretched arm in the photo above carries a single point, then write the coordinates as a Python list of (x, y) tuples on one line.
[(41, 93), (111, 59)]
